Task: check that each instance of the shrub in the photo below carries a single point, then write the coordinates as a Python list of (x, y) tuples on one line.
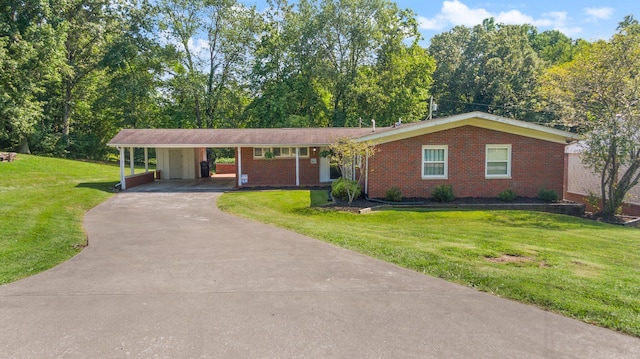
[(443, 193), (507, 195), (393, 194), (548, 195), (339, 189)]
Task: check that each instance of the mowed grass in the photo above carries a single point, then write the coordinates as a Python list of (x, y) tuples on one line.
[(579, 268), (42, 206)]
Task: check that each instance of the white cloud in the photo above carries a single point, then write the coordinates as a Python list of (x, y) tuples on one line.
[(599, 13), (454, 12)]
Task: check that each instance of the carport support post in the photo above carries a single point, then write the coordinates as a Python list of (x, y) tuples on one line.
[(239, 175), (123, 183), (297, 166), (131, 160), (146, 160)]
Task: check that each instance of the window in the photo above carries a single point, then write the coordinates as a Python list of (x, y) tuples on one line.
[(434, 162), (280, 152), (498, 161)]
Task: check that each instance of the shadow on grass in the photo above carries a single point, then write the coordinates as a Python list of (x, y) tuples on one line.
[(100, 186)]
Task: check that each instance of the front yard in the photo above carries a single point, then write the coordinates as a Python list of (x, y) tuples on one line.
[(579, 268)]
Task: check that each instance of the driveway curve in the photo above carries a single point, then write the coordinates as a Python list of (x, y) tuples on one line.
[(167, 275)]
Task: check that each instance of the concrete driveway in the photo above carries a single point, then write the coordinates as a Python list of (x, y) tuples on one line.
[(167, 275)]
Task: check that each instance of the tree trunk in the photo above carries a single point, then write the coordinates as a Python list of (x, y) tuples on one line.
[(24, 146), (66, 110)]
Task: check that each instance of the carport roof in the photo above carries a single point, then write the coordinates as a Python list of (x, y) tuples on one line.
[(250, 137)]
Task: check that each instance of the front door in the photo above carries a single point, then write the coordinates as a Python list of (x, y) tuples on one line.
[(329, 172)]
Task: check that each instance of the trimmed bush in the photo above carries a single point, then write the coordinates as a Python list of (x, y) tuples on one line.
[(339, 189), (443, 193), (393, 194), (548, 195), (507, 195)]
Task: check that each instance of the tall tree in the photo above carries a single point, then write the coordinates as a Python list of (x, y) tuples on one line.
[(599, 91), (28, 61), (491, 67), (87, 27)]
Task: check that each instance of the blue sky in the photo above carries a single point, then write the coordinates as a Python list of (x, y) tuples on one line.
[(587, 19)]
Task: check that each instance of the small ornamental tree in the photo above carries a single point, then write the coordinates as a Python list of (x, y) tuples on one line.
[(599, 91), (352, 158)]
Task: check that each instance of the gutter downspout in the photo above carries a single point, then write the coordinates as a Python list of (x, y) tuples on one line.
[(366, 177)]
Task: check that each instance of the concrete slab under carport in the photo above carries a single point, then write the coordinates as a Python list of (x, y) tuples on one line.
[(167, 274), (215, 183)]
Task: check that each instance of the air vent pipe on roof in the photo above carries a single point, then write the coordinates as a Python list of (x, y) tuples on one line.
[(373, 124)]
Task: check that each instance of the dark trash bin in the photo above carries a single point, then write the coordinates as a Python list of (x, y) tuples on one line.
[(204, 169)]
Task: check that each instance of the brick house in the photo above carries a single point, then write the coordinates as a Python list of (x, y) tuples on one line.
[(479, 154)]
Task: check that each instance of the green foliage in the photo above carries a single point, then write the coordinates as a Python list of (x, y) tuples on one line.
[(579, 268), (491, 68), (443, 193), (598, 91), (345, 189), (507, 195), (548, 195), (226, 160), (393, 194)]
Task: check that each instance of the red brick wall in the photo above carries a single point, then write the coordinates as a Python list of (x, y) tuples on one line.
[(535, 164), (279, 171), (139, 179), (226, 168)]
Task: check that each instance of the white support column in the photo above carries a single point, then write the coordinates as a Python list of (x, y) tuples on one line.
[(239, 169), (123, 184), (131, 164), (298, 166), (146, 160)]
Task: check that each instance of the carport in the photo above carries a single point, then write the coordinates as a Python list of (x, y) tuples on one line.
[(297, 159)]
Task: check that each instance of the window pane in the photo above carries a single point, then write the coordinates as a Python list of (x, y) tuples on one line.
[(257, 152), (497, 154), (276, 151), (285, 151), (303, 151), (497, 168), (433, 154), (434, 169)]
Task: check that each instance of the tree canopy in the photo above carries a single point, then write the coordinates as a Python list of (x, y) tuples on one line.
[(74, 72), (599, 92)]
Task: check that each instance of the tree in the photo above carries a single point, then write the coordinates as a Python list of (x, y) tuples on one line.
[(599, 91), (352, 157), (490, 67), (28, 61)]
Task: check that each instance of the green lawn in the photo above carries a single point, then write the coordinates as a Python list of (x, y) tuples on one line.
[(579, 268), (42, 205)]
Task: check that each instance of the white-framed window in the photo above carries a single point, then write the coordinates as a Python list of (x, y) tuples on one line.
[(498, 161), (435, 162), (279, 152)]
